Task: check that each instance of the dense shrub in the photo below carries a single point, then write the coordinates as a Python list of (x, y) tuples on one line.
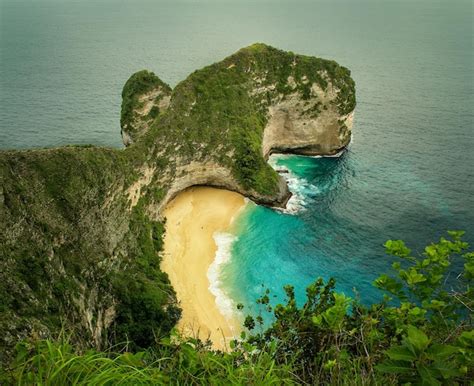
[(146, 309), (420, 334)]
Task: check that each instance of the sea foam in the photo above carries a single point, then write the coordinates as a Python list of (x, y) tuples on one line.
[(299, 187), (224, 243)]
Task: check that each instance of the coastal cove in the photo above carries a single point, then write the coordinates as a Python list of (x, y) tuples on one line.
[(110, 206), (268, 248), (236, 192)]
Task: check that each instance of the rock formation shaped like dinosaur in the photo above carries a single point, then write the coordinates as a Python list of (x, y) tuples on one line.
[(81, 226)]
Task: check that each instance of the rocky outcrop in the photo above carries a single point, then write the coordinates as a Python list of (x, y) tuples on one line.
[(144, 97), (211, 174), (224, 120)]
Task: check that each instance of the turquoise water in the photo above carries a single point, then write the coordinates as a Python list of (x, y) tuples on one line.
[(335, 226), (409, 171)]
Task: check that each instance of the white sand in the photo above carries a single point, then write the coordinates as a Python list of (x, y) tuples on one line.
[(189, 249)]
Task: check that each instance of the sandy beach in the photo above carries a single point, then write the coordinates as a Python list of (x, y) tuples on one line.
[(193, 218)]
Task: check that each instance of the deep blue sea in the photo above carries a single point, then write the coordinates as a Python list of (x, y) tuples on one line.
[(408, 173)]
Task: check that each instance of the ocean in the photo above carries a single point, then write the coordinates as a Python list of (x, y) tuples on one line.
[(407, 174)]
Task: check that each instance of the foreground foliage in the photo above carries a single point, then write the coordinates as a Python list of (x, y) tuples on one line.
[(187, 362), (421, 333)]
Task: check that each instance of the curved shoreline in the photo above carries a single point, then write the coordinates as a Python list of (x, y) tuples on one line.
[(193, 218)]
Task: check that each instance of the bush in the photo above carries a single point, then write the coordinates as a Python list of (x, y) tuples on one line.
[(420, 334)]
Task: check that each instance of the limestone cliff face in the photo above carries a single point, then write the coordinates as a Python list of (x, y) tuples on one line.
[(212, 174), (314, 127), (81, 227)]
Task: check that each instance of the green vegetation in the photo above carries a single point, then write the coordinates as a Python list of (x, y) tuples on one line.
[(187, 362), (147, 306), (45, 244), (421, 334), (138, 84), (250, 168), (80, 237), (56, 270), (278, 66)]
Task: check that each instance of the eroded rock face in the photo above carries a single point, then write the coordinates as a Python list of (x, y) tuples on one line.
[(308, 127), (211, 174), (149, 105)]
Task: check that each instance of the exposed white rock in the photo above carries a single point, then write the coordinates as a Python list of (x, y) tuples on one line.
[(313, 127), (213, 174)]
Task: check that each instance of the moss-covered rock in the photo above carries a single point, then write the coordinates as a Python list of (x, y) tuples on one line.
[(144, 97), (81, 227)]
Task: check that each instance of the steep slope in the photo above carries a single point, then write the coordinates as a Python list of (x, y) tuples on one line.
[(73, 254), (81, 227)]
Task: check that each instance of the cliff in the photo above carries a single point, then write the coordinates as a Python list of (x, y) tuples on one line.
[(218, 126), (81, 227)]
